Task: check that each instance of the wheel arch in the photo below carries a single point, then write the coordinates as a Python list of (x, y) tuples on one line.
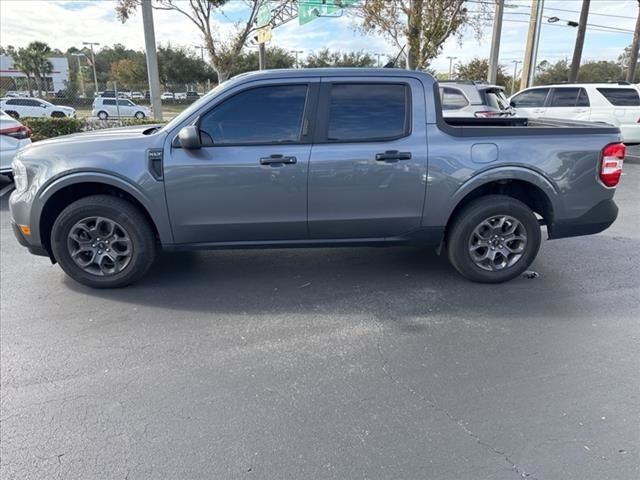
[(56, 196), (529, 187)]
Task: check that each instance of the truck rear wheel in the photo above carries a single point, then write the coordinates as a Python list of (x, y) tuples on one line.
[(103, 242), (493, 239)]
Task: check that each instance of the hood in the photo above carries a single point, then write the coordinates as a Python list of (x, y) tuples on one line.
[(110, 134)]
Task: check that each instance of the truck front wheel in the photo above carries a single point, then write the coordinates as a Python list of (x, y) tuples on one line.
[(103, 241), (493, 239)]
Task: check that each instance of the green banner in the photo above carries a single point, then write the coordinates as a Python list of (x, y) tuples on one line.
[(264, 15), (309, 10)]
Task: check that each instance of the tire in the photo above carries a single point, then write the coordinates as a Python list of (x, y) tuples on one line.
[(13, 113), (139, 115), (134, 256), (102, 115), (489, 221)]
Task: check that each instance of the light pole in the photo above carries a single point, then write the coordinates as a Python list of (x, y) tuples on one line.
[(80, 74), (296, 52), (378, 55), (93, 63), (201, 48), (515, 72), (451, 59)]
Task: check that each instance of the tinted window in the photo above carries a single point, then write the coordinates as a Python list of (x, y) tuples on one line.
[(621, 97), (564, 97), (367, 112), (583, 99), (452, 99), (108, 102), (260, 115), (124, 103), (13, 102), (530, 98)]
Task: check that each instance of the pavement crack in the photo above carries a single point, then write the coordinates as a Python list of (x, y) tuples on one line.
[(460, 424)]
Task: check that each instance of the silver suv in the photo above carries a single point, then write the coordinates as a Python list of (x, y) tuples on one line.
[(466, 98)]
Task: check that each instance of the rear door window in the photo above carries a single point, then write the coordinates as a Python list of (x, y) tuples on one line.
[(621, 97), (452, 99), (564, 97), (531, 98), (108, 102), (368, 112)]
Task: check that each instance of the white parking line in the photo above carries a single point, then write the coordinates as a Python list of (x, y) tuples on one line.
[(7, 189)]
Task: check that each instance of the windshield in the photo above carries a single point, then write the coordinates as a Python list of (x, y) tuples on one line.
[(186, 113)]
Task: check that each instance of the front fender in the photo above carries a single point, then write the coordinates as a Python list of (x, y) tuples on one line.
[(151, 197)]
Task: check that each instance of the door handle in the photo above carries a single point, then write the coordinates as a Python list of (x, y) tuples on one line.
[(277, 159), (393, 155)]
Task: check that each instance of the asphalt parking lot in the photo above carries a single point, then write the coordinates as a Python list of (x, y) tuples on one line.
[(314, 364)]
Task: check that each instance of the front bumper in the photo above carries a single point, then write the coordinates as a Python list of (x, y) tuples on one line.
[(34, 249), (596, 220)]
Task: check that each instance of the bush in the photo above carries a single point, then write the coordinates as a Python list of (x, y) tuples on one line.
[(44, 128)]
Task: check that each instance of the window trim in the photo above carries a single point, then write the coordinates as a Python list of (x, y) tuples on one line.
[(308, 113), (322, 127)]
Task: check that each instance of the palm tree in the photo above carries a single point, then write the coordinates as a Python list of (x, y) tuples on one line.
[(22, 62), (38, 53)]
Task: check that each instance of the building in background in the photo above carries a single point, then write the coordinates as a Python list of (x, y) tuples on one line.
[(12, 79)]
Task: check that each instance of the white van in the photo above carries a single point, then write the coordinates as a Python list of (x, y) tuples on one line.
[(105, 107)]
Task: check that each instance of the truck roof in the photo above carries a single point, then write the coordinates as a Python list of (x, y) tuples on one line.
[(336, 72)]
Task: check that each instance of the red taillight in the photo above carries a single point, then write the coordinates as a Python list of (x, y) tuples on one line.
[(19, 132), (611, 163)]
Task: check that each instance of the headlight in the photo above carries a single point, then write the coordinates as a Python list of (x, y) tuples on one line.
[(19, 175)]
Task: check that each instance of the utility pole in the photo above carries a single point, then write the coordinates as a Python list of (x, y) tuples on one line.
[(492, 75), (93, 63), (633, 54), (378, 55), (262, 56), (577, 50), (515, 73), (451, 59), (152, 59), (296, 52), (533, 39)]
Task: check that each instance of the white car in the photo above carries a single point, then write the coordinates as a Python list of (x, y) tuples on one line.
[(13, 136), (137, 95), (614, 103), (105, 107), (166, 96), (34, 107)]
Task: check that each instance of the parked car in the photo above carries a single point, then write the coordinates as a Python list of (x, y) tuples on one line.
[(187, 96), (319, 157), (107, 94), (461, 98), (613, 103), (103, 108), (34, 107), (13, 136), (137, 95), (17, 93), (166, 96)]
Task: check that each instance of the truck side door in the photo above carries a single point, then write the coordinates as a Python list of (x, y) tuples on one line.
[(568, 102), (368, 169), (248, 182)]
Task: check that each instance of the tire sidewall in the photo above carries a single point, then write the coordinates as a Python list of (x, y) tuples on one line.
[(471, 217), (139, 245)]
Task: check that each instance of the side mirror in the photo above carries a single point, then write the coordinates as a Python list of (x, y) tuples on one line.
[(512, 104), (189, 137)]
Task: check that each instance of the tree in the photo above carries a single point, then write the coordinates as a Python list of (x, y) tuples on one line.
[(178, 67), (126, 73), (600, 71), (327, 58), (33, 61), (276, 58), (478, 69), (547, 72), (623, 61), (223, 52), (419, 26)]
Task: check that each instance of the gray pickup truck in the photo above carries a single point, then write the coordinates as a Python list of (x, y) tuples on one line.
[(301, 158)]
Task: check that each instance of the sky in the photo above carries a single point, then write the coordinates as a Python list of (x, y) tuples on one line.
[(65, 23)]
